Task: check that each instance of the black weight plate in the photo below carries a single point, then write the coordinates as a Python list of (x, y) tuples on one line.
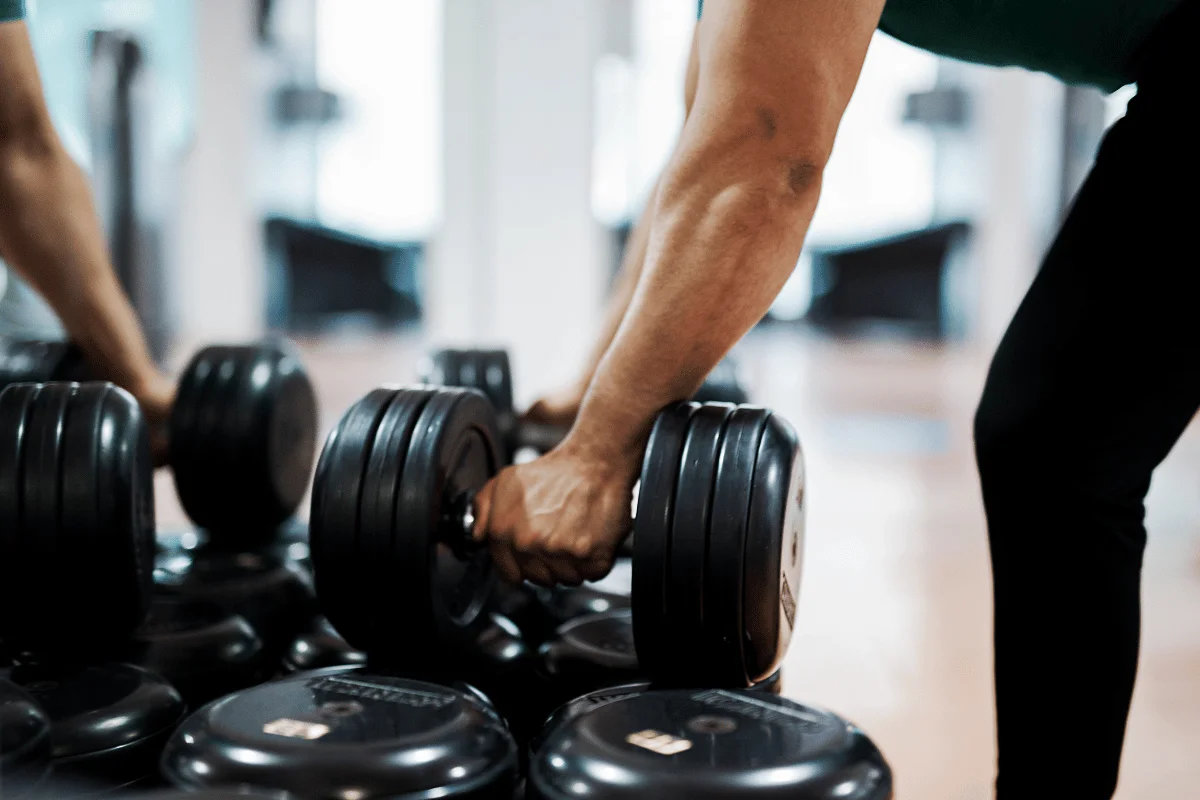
[(24, 735), (685, 609), (708, 744), (441, 593), (31, 361), (291, 432), (97, 561), (203, 650), (230, 508), (342, 733), (723, 588), (319, 648), (14, 408), (652, 536), (377, 504), (334, 525), (593, 651), (259, 585), (774, 549), (190, 434), (124, 545), (108, 720), (41, 501)]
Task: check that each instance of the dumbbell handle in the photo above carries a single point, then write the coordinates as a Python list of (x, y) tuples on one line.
[(539, 437)]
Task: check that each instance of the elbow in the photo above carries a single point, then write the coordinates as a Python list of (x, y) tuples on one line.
[(751, 164)]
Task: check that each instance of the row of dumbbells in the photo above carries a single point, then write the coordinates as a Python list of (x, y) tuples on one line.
[(718, 527)]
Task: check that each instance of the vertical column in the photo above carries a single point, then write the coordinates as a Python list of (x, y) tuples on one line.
[(221, 279), (519, 261)]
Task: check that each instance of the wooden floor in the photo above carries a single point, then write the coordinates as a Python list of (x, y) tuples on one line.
[(895, 620)]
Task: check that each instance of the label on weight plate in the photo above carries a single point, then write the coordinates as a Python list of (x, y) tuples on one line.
[(791, 559), (386, 694), (296, 729)]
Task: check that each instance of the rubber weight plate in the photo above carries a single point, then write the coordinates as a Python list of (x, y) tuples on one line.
[(203, 650), (593, 651), (442, 586), (24, 737), (77, 499), (243, 435), (774, 549), (727, 529), (708, 744), (489, 371), (29, 361), (341, 733), (689, 546), (652, 536), (321, 647), (577, 707), (107, 721), (334, 521)]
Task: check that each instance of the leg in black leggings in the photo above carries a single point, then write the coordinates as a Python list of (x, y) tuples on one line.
[(1094, 381)]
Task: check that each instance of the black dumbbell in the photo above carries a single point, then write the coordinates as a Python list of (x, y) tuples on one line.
[(32, 361), (77, 556), (347, 732), (719, 526), (24, 741), (204, 650), (243, 439), (108, 721), (258, 583), (707, 744)]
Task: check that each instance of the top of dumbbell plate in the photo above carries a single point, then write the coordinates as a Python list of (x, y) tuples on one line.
[(707, 744), (330, 732)]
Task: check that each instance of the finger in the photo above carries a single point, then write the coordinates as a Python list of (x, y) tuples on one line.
[(565, 570), (535, 571), (505, 561), (483, 510), (597, 568)]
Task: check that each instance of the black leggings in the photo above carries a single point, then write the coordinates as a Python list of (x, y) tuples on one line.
[(1095, 380)]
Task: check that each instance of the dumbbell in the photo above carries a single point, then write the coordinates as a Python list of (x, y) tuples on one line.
[(24, 741), (243, 438), (718, 527), (77, 556), (31, 361), (720, 743), (347, 733)]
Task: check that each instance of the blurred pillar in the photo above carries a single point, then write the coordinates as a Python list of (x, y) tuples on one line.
[(1003, 171), (519, 259), (221, 278)]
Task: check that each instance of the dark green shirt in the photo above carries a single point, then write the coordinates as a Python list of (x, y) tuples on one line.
[(1089, 42), (11, 10)]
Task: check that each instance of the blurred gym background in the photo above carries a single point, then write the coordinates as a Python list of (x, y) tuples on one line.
[(377, 177)]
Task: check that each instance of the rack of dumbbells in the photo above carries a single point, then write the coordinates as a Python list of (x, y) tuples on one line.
[(378, 656)]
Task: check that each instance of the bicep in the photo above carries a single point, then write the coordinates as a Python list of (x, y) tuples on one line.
[(780, 70)]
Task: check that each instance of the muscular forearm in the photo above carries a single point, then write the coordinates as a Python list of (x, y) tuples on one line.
[(723, 245), (50, 235), (623, 289)]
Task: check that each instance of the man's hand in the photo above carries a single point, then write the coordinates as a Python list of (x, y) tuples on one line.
[(559, 519), (156, 396)]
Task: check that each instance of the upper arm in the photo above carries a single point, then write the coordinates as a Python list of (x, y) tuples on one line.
[(778, 74), (23, 113)]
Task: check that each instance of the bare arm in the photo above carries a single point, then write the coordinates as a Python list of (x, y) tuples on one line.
[(733, 206), (564, 410), (50, 235)]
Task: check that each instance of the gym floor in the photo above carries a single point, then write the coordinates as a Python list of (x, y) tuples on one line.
[(895, 622)]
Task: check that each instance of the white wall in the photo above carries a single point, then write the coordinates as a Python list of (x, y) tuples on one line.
[(220, 274)]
